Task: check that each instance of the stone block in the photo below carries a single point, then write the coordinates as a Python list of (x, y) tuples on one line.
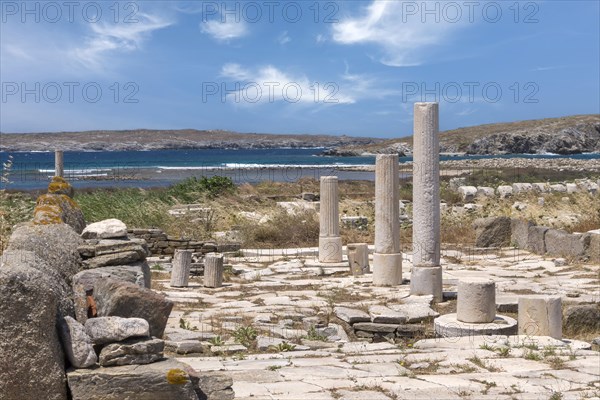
[(540, 316)]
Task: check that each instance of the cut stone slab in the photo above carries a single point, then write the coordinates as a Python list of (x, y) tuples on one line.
[(385, 315), (415, 312), (373, 327), (107, 229), (123, 299), (449, 326), (361, 395), (562, 243), (185, 347), (520, 232), (165, 380), (492, 232), (179, 335), (132, 351), (114, 329), (536, 239), (228, 349), (106, 260), (351, 315), (111, 246), (77, 344)]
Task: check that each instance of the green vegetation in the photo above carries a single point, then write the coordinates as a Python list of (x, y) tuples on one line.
[(245, 335)]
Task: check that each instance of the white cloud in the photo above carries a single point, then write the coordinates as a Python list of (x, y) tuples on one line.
[(106, 38), (320, 38), (224, 31), (284, 38), (402, 38)]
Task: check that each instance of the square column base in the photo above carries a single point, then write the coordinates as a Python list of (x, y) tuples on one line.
[(387, 269), (330, 249)]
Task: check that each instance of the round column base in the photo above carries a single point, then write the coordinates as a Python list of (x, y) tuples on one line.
[(449, 326)]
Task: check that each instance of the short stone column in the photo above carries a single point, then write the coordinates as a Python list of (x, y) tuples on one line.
[(358, 258), (540, 315), (330, 242), (426, 276), (387, 258), (180, 272), (476, 301), (213, 270), (59, 163)]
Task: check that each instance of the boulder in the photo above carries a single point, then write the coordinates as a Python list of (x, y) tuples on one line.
[(572, 188), (77, 344), (103, 330), (164, 380), (123, 299), (55, 244), (32, 360), (582, 319), (522, 187), (132, 351), (83, 282), (492, 231), (504, 191), (212, 385), (107, 229), (468, 193), (562, 243), (520, 232), (536, 239), (53, 209), (484, 191), (59, 185)]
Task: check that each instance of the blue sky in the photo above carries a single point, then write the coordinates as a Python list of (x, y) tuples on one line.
[(345, 67)]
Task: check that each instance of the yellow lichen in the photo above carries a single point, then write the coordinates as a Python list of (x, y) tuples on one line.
[(60, 186), (177, 377), (47, 214)]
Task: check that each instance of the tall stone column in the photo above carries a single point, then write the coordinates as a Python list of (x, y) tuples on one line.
[(59, 163), (426, 276), (330, 242), (387, 258)]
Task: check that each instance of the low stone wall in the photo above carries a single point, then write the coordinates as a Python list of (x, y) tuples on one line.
[(528, 236), (470, 193), (159, 243)]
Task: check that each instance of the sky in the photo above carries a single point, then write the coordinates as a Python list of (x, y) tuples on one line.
[(330, 67)]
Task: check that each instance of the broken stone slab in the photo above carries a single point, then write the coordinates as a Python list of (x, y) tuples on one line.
[(385, 315), (123, 299), (132, 351), (340, 334), (536, 239), (185, 347), (520, 232), (492, 231), (351, 315), (103, 330), (410, 330), (111, 246), (212, 385), (121, 258), (375, 327), (179, 335), (415, 312), (84, 281), (562, 243), (228, 349), (107, 229), (77, 344), (165, 380)]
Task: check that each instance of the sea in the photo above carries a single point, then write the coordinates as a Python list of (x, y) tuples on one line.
[(160, 168)]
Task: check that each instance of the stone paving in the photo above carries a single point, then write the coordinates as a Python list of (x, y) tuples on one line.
[(303, 351)]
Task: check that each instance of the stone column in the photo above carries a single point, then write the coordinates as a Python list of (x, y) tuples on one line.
[(540, 315), (213, 270), (59, 163), (182, 261), (387, 258), (358, 258), (330, 242), (426, 276), (476, 301)]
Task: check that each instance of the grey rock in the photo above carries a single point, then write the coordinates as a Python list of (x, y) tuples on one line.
[(164, 380), (77, 344), (127, 300), (114, 329), (520, 232), (492, 232), (468, 193), (536, 242), (32, 360), (596, 341), (106, 260), (351, 315), (111, 246), (107, 229), (373, 327), (132, 351), (504, 191), (562, 243), (582, 318), (409, 331), (212, 385), (185, 347), (228, 349), (83, 282), (593, 250)]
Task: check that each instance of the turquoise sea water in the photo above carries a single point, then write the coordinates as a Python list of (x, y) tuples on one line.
[(31, 170)]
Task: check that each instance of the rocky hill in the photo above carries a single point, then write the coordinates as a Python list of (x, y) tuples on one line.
[(566, 135), (144, 139)]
